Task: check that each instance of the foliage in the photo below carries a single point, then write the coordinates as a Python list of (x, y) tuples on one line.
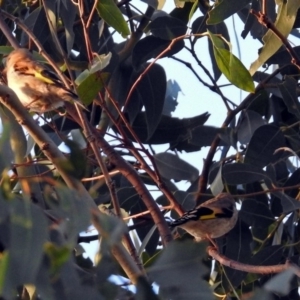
[(46, 204)]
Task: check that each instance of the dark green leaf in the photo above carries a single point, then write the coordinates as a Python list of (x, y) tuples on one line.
[(69, 206), (91, 86), (200, 26), (256, 214), (170, 166), (204, 135), (68, 14), (152, 90), (169, 130), (111, 14), (144, 290), (144, 226), (28, 233), (230, 66), (234, 174), (282, 56), (182, 13), (150, 47), (265, 140), (36, 23), (224, 9), (249, 121), (167, 28), (178, 275), (289, 95), (280, 283)]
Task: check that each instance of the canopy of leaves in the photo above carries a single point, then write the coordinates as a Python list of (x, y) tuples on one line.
[(109, 53)]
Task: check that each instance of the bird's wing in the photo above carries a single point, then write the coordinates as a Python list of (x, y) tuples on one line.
[(204, 213), (41, 73)]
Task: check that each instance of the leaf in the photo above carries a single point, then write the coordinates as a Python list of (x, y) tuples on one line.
[(58, 256), (224, 9), (282, 56), (156, 4), (200, 26), (180, 276), (204, 135), (167, 28), (119, 84), (69, 206), (288, 203), (287, 11), (231, 66), (150, 47), (76, 158), (4, 265), (234, 174), (100, 62), (144, 290), (248, 123), (261, 294), (111, 14), (152, 90), (146, 232), (265, 140), (91, 86), (51, 8), (280, 283), (183, 13), (170, 166), (68, 12), (36, 23), (28, 233), (217, 185), (169, 130), (256, 214), (289, 95)]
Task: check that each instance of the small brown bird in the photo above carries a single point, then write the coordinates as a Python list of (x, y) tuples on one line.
[(212, 219), (38, 88)]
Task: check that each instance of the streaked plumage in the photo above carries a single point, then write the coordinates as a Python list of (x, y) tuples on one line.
[(211, 219), (36, 86)]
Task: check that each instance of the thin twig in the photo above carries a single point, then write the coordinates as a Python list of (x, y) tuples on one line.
[(264, 20)]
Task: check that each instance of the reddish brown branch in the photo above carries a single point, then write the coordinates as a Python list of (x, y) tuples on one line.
[(225, 261), (264, 20)]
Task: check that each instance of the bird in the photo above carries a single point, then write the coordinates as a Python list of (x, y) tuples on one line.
[(211, 219), (37, 87)]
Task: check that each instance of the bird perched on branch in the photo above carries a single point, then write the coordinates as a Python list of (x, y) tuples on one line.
[(38, 88), (211, 219)]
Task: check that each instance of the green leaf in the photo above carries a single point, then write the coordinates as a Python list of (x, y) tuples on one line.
[(224, 9), (111, 14), (179, 270), (264, 142), (90, 86), (287, 12), (289, 95), (231, 66), (4, 264), (58, 256), (171, 166), (27, 230), (281, 283)]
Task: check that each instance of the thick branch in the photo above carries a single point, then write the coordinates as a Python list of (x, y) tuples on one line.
[(133, 177)]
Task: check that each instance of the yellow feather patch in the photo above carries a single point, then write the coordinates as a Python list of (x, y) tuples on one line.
[(43, 78), (212, 215)]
